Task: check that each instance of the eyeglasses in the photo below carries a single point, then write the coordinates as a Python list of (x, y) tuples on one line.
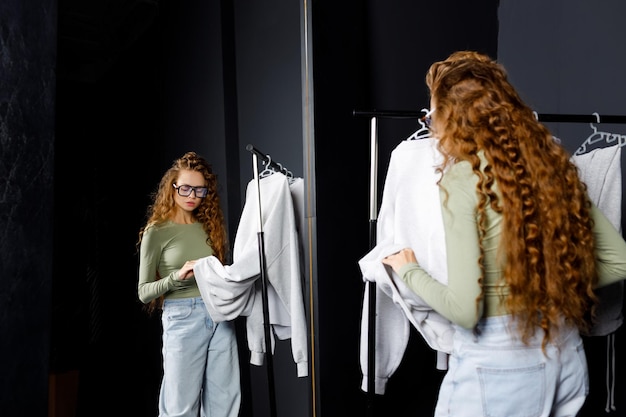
[(185, 190)]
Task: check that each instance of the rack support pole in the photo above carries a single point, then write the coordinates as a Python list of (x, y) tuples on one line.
[(269, 360)]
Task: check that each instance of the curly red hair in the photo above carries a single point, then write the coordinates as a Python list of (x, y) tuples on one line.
[(547, 238)]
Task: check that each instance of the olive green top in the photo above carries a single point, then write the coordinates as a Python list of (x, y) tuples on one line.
[(457, 300), (165, 248)]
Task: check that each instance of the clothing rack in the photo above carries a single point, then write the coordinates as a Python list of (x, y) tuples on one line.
[(542, 117), (256, 154), (374, 115), (581, 118), (373, 213)]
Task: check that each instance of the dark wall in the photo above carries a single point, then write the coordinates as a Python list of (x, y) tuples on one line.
[(108, 160), (27, 93)]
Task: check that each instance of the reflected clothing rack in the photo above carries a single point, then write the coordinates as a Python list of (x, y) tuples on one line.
[(374, 115), (256, 154)]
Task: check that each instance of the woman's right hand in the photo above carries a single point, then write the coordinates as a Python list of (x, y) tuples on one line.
[(401, 258)]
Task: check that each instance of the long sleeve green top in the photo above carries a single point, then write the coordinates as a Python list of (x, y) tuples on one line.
[(457, 300), (165, 248)]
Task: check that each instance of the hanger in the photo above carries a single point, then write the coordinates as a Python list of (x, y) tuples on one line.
[(267, 171), (595, 137), (423, 132), (290, 178)]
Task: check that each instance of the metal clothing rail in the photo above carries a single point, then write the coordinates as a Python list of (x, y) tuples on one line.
[(542, 117), (581, 118), (256, 154), (267, 161), (408, 114)]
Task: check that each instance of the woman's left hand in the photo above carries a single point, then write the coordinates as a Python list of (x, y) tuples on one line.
[(186, 271)]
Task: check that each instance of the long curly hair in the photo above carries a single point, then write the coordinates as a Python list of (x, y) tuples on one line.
[(547, 239), (209, 212)]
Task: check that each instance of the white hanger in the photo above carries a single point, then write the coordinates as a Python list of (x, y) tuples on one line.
[(267, 171), (423, 132), (594, 137), (290, 178)]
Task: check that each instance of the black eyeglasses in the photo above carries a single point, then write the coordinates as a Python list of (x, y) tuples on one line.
[(185, 190)]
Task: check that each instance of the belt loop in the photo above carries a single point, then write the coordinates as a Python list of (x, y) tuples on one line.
[(476, 332)]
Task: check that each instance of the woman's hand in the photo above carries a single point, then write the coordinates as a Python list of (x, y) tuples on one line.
[(399, 259), (186, 271)]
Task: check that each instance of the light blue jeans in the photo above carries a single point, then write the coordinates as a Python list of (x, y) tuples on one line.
[(493, 374), (200, 363)]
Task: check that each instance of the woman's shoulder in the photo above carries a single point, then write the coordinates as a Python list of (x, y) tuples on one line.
[(463, 171), (459, 172), (156, 228)]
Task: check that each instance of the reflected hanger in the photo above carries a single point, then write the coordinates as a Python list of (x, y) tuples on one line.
[(284, 171), (270, 169), (290, 178), (267, 171), (423, 132)]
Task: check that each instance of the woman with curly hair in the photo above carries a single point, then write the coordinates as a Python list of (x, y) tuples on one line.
[(200, 358), (525, 247)]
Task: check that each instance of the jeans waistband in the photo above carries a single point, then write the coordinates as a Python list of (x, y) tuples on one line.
[(191, 301), (505, 324)]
